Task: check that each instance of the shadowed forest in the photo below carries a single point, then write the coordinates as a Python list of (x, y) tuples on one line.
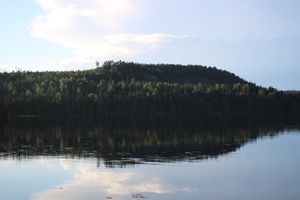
[(131, 88)]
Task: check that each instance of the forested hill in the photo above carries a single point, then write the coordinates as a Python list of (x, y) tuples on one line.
[(167, 73), (130, 88)]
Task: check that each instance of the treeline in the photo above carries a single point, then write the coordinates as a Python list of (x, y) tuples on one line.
[(129, 88), (167, 73)]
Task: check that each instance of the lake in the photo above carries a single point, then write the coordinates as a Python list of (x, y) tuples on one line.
[(144, 158)]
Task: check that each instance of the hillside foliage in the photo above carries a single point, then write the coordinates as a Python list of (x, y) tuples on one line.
[(131, 88)]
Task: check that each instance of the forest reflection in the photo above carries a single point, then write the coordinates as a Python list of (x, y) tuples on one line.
[(123, 141)]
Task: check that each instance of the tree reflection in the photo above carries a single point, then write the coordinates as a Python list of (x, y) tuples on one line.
[(121, 141)]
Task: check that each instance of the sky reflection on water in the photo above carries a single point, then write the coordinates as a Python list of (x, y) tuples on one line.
[(265, 169)]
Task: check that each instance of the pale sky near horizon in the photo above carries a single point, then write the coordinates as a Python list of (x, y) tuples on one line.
[(259, 40)]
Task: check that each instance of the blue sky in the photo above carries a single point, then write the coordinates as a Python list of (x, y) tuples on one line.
[(257, 39)]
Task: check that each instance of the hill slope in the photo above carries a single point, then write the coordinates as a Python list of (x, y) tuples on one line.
[(168, 73)]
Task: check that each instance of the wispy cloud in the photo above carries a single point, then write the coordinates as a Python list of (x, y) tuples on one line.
[(92, 29), (7, 68)]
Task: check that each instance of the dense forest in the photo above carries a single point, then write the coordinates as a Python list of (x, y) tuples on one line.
[(131, 88)]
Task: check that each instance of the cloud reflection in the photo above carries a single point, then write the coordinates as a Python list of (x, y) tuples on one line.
[(90, 182)]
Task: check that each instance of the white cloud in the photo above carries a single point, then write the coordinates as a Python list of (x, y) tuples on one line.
[(114, 45), (93, 29), (8, 68)]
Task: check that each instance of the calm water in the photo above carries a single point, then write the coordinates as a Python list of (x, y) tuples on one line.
[(73, 159)]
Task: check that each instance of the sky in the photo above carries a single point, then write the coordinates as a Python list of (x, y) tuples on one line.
[(259, 40)]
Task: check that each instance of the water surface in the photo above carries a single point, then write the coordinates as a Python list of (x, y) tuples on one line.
[(159, 159)]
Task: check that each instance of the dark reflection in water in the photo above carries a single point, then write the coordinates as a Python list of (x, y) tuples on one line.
[(121, 141)]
